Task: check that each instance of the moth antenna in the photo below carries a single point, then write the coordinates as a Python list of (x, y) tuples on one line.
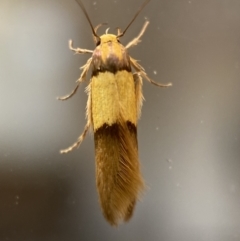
[(86, 14), (139, 10)]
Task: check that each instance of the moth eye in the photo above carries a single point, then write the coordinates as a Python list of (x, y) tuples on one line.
[(98, 42), (118, 40)]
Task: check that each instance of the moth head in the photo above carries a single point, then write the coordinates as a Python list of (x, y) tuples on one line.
[(105, 38)]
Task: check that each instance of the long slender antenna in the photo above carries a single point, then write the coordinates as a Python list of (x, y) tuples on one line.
[(86, 14), (139, 10)]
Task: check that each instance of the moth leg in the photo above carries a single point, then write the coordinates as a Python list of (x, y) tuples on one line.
[(87, 126), (78, 50), (142, 72), (70, 95), (78, 142), (138, 92), (137, 40), (82, 78)]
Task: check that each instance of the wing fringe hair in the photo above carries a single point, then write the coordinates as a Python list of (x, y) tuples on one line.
[(119, 180)]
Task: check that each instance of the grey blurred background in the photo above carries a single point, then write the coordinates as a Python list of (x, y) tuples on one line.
[(189, 135)]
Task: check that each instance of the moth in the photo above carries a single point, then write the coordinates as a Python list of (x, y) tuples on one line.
[(113, 109)]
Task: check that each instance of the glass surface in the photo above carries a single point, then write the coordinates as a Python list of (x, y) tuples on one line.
[(189, 134)]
